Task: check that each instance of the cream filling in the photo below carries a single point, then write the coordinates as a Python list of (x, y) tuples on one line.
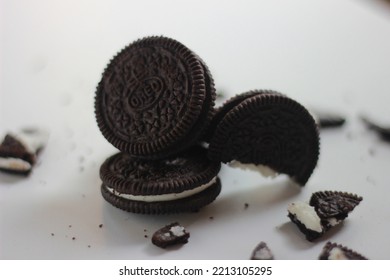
[(307, 215), (264, 170), (337, 254), (163, 197), (263, 254), (14, 164)]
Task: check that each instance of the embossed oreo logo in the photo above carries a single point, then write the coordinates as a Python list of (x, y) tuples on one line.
[(146, 93)]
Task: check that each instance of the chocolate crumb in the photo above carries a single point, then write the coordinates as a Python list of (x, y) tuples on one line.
[(89, 246), (169, 235), (52, 234), (211, 218), (145, 230), (73, 238), (246, 205), (146, 236), (101, 225), (70, 226)]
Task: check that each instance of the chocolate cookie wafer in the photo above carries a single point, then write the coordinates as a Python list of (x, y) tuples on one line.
[(155, 98), (268, 132), (183, 183)]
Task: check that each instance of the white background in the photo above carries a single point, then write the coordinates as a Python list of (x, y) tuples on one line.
[(329, 54)]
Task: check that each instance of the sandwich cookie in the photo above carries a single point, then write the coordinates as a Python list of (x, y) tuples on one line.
[(155, 98), (267, 132), (19, 151), (183, 183)]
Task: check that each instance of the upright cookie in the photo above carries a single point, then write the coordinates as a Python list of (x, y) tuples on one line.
[(268, 132), (183, 183), (155, 98), (18, 151)]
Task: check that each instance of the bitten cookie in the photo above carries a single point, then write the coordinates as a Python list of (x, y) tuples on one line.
[(155, 98), (19, 151), (268, 132), (183, 183)]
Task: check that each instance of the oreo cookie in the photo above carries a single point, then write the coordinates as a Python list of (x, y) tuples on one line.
[(325, 210), (268, 132), (19, 151), (155, 98), (183, 183), (334, 251)]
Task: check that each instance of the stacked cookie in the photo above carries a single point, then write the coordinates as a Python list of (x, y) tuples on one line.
[(155, 103)]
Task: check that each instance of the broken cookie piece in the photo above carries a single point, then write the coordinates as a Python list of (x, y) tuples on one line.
[(328, 119), (262, 252), (383, 131), (18, 151), (325, 210), (334, 206), (334, 251), (169, 235)]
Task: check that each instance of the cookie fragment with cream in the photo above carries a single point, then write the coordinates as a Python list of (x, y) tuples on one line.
[(325, 210), (334, 251), (262, 252), (169, 235), (19, 151)]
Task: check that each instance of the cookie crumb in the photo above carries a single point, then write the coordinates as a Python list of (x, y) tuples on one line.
[(211, 218), (70, 226), (169, 235), (101, 225), (246, 205), (73, 238), (52, 234), (146, 236), (89, 246), (262, 252)]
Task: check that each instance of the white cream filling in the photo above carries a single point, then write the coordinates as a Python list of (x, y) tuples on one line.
[(33, 139), (306, 214), (264, 170), (163, 197), (337, 254), (333, 221), (177, 231), (17, 164)]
